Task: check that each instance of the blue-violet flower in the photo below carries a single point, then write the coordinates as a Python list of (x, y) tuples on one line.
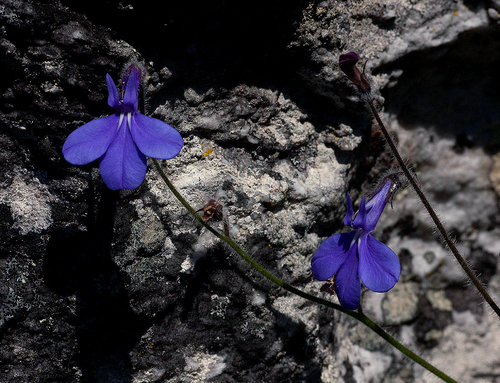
[(123, 140), (356, 255)]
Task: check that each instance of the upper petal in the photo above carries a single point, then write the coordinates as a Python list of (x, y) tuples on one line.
[(349, 213), (131, 96), (379, 266), (347, 283), (123, 166), (376, 205), (155, 138), (330, 255), (90, 141), (113, 98), (360, 220)]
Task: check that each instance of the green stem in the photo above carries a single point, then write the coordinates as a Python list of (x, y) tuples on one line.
[(360, 317), (449, 242)]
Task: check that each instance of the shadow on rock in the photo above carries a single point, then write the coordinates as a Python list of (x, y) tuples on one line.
[(78, 262)]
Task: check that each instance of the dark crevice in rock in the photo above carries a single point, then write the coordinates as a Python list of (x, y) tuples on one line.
[(452, 88)]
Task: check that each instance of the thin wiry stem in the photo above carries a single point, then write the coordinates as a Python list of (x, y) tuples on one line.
[(414, 183), (359, 316)]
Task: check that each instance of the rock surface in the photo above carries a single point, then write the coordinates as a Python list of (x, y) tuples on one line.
[(102, 286)]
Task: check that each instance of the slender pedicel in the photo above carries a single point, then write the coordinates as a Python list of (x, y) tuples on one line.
[(360, 317), (347, 64)]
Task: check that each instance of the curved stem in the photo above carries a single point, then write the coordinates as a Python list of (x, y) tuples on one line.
[(360, 317), (430, 210)]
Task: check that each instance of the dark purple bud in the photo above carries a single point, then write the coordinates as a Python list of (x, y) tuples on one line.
[(349, 59), (347, 64)]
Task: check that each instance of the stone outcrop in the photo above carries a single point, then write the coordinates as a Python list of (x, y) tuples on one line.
[(102, 286)]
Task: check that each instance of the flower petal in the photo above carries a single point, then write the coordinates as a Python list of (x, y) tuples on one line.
[(349, 213), (376, 205), (347, 283), (113, 98), (123, 166), (155, 138), (330, 255), (90, 141), (131, 96), (379, 266), (360, 220)]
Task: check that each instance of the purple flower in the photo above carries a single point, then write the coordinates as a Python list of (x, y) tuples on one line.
[(123, 140), (347, 64), (356, 255)]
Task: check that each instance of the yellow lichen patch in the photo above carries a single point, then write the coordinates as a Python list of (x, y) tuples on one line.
[(208, 151)]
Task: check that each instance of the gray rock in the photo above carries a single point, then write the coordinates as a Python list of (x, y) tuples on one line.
[(101, 286), (400, 304)]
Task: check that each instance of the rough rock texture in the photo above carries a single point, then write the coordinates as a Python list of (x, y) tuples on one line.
[(101, 286)]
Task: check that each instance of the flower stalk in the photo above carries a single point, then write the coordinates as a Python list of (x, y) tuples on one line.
[(358, 316), (347, 64)]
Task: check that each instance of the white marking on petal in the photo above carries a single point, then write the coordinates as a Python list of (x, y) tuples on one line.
[(357, 237), (120, 121)]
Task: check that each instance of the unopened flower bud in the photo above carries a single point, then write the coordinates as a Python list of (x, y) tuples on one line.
[(347, 64)]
